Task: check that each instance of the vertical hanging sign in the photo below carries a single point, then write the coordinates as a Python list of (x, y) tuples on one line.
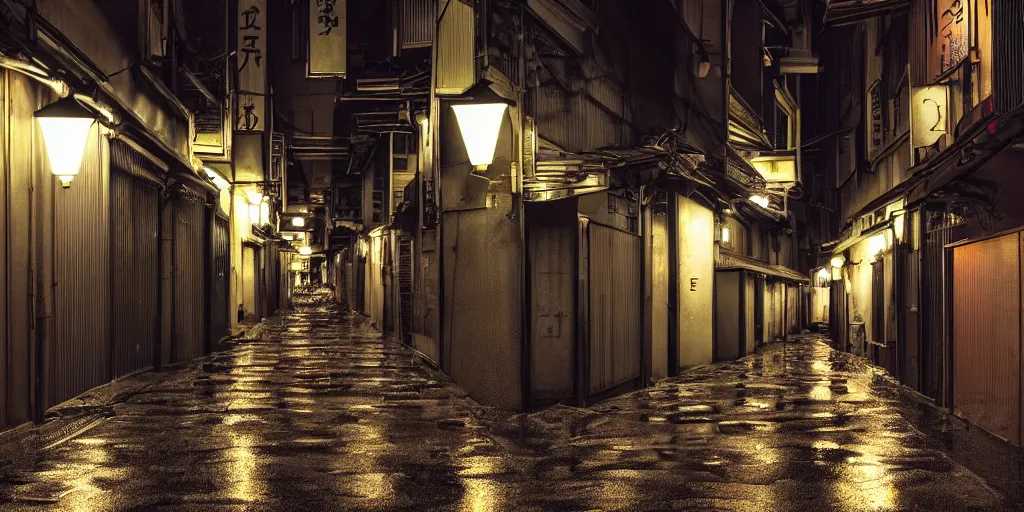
[(328, 39), (250, 64)]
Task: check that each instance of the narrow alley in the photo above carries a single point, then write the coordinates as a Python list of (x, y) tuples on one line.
[(319, 413)]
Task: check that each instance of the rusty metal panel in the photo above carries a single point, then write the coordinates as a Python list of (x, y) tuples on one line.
[(615, 297), (79, 358), (417, 22), (456, 49), (481, 299), (575, 122), (135, 274), (552, 250), (986, 334), (189, 275)]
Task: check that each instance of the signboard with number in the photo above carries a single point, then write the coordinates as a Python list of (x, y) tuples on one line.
[(328, 39), (250, 65), (928, 111)]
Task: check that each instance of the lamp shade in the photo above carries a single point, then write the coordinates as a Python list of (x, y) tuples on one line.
[(479, 114), (65, 125), (479, 125)]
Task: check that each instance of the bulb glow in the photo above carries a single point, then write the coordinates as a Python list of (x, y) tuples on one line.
[(479, 125), (65, 139), (837, 261), (305, 251), (725, 235), (760, 200), (298, 222)]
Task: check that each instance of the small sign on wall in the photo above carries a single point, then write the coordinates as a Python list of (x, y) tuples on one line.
[(250, 65), (928, 114), (328, 48)]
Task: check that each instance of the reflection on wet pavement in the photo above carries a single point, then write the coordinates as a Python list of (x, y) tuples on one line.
[(322, 414)]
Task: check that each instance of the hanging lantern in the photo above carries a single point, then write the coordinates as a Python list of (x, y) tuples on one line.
[(479, 121), (65, 124)]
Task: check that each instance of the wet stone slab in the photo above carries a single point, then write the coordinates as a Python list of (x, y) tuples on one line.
[(319, 413)]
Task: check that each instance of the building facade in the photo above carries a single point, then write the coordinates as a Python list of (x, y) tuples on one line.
[(920, 132)]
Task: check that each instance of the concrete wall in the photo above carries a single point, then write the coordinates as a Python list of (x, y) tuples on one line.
[(696, 261)]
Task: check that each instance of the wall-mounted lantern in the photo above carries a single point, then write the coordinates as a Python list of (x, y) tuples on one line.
[(479, 118), (296, 266), (298, 222), (305, 251), (824, 274), (838, 261), (65, 124), (725, 235), (254, 199), (760, 200)]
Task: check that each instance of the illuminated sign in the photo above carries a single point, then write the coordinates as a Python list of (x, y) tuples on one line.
[(928, 114), (776, 169)]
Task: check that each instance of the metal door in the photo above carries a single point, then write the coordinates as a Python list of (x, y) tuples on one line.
[(986, 334), (189, 336), (877, 338), (220, 309), (135, 272), (405, 280), (614, 290)]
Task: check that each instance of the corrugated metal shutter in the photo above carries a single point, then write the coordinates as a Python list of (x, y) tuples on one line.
[(220, 310), (456, 49), (189, 273), (987, 335), (1008, 50), (418, 22), (79, 358), (134, 211), (615, 297)]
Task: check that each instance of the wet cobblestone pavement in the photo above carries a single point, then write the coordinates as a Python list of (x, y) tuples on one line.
[(321, 414)]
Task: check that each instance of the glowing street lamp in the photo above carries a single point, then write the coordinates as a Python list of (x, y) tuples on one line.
[(65, 124), (760, 200), (479, 121)]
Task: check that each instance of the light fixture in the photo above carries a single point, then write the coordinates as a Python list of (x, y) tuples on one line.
[(298, 222), (65, 124), (897, 227), (725, 235), (254, 198), (760, 200), (479, 121), (296, 266), (254, 214), (288, 237), (823, 273), (876, 245), (217, 179), (305, 251), (837, 261)]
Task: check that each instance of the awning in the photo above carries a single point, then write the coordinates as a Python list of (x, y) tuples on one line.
[(732, 261), (848, 12)]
